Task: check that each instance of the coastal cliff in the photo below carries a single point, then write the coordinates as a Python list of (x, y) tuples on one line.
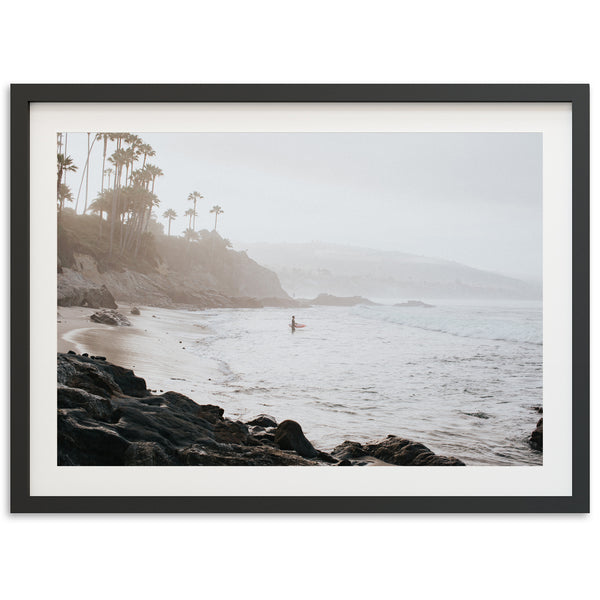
[(168, 271), (107, 416)]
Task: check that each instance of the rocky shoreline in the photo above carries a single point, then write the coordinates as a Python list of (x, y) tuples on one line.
[(108, 417)]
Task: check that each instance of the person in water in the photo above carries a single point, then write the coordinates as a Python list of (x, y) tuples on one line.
[(293, 323)]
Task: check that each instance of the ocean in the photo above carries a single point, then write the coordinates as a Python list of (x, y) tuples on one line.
[(462, 378)]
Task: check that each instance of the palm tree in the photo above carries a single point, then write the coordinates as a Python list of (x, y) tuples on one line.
[(102, 204), (63, 164), (169, 214), (146, 150), (191, 213), (119, 159), (64, 194), (105, 137), (190, 235), (106, 172), (154, 172), (131, 156), (194, 197), (218, 211)]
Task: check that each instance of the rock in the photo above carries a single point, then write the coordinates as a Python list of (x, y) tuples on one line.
[(145, 454), (395, 451), (231, 432), (135, 310), (106, 416), (110, 317), (329, 300), (74, 290), (414, 304), (536, 439), (289, 436), (283, 303), (400, 451), (211, 413), (344, 463), (348, 450), (98, 376), (263, 421)]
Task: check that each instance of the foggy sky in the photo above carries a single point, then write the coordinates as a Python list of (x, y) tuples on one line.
[(475, 198)]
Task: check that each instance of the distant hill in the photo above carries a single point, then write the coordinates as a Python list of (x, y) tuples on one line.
[(306, 270)]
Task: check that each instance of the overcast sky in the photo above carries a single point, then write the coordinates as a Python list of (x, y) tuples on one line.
[(475, 198)]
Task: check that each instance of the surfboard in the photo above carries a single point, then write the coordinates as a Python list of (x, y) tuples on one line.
[(298, 325)]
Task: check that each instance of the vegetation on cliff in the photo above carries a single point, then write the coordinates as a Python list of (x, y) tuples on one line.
[(118, 232)]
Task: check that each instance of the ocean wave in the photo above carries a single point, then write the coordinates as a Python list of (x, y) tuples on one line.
[(479, 323)]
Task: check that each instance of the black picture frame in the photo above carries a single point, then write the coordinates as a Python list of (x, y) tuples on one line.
[(22, 95)]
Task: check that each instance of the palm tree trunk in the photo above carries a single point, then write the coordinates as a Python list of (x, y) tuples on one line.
[(104, 165), (87, 175), (113, 212), (64, 173), (114, 202)]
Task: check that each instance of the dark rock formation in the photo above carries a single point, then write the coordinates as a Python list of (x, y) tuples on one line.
[(110, 317), (263, 421), (536, 439), (289, 436), (329, 300), (395, 451), (107, 416), (135, 310)]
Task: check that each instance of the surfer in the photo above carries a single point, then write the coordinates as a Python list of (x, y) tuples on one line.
[(293, 323)]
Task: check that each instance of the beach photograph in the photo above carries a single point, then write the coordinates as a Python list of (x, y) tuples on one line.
[(299, 299)]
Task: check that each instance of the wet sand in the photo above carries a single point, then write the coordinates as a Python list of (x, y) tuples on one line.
[(156, 346)]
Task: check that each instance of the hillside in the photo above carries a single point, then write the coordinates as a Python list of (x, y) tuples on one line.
[(306, 270), (166, 270)]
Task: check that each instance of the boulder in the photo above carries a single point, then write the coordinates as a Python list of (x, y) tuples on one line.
[(98, 376), (110, 317), (289, 436), (135, 310), (395, 451), (536, 439), (74, 290), (107, 416), (262, 421), (349, 450), (400, 451)]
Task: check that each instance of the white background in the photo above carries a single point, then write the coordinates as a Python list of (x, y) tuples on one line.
[(469, 556)]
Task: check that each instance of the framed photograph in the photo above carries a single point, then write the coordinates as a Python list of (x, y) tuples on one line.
[(221, 294)]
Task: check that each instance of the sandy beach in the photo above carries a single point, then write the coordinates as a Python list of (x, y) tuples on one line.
[(152, 333)]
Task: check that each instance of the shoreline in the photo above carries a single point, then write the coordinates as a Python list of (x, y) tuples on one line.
[(127, 346), (108, 417), (167, 347)]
